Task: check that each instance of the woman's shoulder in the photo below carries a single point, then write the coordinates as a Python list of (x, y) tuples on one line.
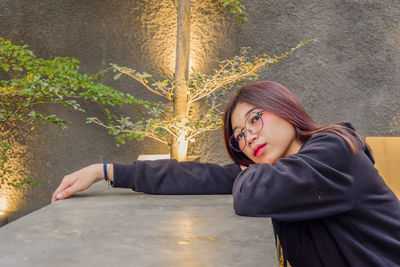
[(329, 144), (340, 133), (326, 139), (325, 151)]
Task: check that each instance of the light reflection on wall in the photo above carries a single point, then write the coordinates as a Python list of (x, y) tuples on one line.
[(211, 33), (3, 203), (153, 24), (156, 22), (11, 198)]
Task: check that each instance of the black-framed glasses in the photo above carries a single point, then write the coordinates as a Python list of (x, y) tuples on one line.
[(253, 125)]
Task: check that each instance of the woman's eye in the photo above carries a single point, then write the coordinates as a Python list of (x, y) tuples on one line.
[(239, 136), (256, 118)]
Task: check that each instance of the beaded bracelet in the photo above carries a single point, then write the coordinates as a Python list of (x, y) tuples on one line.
[(105, 171)]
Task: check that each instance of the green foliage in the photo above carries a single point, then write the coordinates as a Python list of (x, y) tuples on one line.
[(35, 81), (236, 7)]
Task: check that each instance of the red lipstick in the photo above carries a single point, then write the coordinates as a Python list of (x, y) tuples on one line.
[(258, 149)]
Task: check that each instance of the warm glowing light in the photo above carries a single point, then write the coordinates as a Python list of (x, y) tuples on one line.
[(186, 225), (182, 146), (153, 156), (193, 65), (171, 65), (196, 58), (204, 36), (3, 218), (19, 156), (11, 199), (183, 149), (185, 230), (3, 204)]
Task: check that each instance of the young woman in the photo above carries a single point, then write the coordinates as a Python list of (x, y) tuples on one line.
[(327, 202)]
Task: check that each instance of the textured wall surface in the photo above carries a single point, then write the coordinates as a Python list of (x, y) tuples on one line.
[(139, 34), (352, 73)]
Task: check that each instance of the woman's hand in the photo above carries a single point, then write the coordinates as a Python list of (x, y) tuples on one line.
[(80, 180)]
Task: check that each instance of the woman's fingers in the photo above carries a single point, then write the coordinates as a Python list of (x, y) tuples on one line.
[(77, 181), (65, 183), (67, 192)]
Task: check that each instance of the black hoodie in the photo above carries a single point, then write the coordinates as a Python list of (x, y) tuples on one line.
[(328, 205)]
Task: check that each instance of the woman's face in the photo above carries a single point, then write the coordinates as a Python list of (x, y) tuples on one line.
[(276, 139)]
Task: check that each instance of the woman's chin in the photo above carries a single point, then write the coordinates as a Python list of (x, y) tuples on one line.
[(263, 158)]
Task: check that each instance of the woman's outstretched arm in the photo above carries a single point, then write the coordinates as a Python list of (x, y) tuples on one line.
[(155, 177), (173, 177)]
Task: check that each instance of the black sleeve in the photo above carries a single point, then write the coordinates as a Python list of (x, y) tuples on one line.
[(316, 182), (172, 177)]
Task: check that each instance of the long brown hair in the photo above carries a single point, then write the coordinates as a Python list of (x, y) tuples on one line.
[(275, 98)]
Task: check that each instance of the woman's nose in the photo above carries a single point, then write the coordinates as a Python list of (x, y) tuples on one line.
[(250, 137)]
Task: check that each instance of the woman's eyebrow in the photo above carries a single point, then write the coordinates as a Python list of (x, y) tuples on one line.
[(249, 111)]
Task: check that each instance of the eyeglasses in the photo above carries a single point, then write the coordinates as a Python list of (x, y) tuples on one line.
[(253, 125)]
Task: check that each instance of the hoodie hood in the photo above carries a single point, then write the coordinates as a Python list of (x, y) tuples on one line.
[(363, 145)]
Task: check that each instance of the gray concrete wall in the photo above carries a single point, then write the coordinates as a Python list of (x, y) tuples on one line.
[(351, 74)]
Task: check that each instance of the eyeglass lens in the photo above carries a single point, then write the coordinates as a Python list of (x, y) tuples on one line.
[(253, 125)]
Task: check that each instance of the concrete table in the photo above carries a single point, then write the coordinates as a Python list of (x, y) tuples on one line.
[(118, 227)]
